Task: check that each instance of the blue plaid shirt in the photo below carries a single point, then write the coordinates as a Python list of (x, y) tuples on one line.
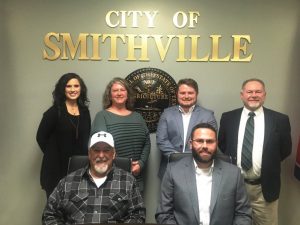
[(77, 200)]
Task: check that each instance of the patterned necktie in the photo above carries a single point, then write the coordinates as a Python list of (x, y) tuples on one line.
[(248, 143)]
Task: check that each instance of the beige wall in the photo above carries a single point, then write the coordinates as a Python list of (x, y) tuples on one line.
[(27, 80)]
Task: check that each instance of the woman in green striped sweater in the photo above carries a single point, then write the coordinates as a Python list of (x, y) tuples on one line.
[(128, 127)]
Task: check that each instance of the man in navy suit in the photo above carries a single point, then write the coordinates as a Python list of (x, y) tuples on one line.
[(271, 145), (176, 122), (201, 188)]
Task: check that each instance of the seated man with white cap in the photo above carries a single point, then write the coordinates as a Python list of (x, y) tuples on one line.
[(98, 193)]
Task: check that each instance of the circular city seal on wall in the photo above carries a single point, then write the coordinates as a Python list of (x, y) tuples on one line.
[(154, 90)]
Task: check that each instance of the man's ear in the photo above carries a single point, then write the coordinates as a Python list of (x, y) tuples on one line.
[(241, 94)]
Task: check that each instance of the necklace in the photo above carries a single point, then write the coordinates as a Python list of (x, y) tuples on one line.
[(75, 125), (72, 109)]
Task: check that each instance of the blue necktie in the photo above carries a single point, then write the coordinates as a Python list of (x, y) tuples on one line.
[(248, 143)]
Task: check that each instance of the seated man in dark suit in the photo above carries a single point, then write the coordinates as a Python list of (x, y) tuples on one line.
[(201, 189), (99, 193)]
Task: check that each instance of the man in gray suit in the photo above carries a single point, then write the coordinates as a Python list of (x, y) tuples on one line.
[(202, 189), (176, 122)]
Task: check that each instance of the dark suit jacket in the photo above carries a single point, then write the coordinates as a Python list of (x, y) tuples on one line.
[(170, 136), (179, 200), (277, 146)]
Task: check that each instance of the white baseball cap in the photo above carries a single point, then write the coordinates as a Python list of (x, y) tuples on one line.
[(102, 136)]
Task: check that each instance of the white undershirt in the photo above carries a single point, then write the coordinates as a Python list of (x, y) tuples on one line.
[(259, 133), (98, 181), (186, 116), (204, 183)]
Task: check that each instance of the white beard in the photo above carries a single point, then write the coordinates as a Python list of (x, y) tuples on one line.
[(101, 169)]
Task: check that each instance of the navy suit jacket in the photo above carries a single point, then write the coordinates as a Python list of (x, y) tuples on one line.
[(179, 200), (277, 146), (170, 136)]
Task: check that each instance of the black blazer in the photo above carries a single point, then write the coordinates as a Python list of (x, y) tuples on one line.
[(277, 146), (56, 137)]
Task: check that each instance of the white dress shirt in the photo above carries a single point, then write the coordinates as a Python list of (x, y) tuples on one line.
[(258, 142), (204, 183), (186, 116)]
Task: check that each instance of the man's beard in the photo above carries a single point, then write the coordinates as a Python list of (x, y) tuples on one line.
[(189, 104), (101, 169), (198, 158), (100, 166)]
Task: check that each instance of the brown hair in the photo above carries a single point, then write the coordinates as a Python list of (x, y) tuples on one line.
[(107, 94), (189, 82)]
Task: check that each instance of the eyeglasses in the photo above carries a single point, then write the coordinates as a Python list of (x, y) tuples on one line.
[(202, 141)]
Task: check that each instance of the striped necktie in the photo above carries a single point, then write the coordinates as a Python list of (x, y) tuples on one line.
[(248, 143)]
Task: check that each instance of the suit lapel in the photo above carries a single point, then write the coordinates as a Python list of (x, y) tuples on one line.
[(178, 120), (215, 187), (268, 126), (193, 120), (190, 177), (235, 126)]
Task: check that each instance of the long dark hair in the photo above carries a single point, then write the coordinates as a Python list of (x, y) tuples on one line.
[(59, 96)]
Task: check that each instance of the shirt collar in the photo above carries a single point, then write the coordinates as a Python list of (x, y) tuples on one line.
[(207, 171), (191, 109), (87, 174), (257, 112)]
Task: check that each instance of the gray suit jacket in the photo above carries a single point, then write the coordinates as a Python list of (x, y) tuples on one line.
[(169, 134), (179, 200)]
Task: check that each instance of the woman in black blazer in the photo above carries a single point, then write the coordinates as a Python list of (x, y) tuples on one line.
[(64, 129)]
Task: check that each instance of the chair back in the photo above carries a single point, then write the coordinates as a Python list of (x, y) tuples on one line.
[(79, 161), (123, 163), (178, 155), (222, 156), (76, 162)]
